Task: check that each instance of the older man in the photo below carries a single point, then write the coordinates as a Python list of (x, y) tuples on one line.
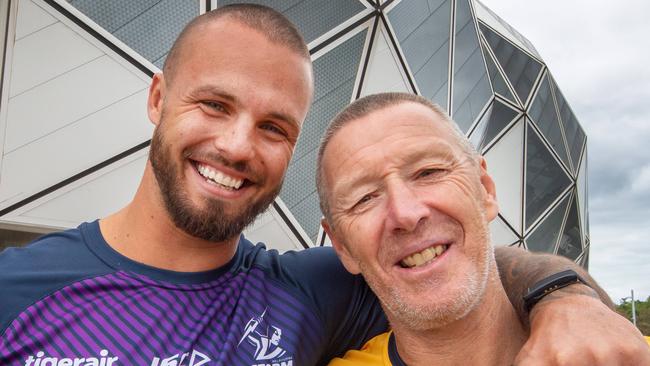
[(168, 279), (407, 202)]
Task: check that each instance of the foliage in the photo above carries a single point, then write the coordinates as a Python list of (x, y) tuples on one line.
[(642, 313)]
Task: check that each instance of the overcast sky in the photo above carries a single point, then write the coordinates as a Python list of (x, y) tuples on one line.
[(599, 54)]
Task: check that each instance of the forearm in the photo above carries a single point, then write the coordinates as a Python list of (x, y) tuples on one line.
[(520, 270)]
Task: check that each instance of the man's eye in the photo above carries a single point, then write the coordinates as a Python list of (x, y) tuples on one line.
[(363, 200), (429, 172), (273, 128), (214, 105)]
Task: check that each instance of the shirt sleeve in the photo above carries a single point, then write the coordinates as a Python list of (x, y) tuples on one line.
[(349, 310)]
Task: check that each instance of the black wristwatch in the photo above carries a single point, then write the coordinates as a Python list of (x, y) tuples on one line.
[(550, 284)]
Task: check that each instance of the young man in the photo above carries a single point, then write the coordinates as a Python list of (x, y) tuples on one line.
[(168, 280), (407, 203)]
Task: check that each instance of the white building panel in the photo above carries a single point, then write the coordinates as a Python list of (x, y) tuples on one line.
[(272, 231), (93, 197), (582, 193), (31, 18), (505, 165), (500, 233), (74, 148), (383, 72), (46, 54), (66, 99)]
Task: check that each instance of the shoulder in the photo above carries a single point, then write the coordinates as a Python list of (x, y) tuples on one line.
[(44, 266), (316, 273), (374, 352)]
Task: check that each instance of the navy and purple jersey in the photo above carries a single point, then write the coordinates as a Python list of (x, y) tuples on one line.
[(69, 299)]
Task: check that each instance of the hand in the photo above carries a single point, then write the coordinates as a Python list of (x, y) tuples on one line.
[(572, 329)]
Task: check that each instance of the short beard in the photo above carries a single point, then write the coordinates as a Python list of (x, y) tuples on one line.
[(429, 317), (210, 223)]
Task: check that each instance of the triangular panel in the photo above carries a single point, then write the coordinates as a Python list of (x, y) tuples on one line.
[(543, 113), (575, 136), (582, 193), (571, 241), (545, 179), (545, 236), (505, 166), (498, 83), (148, 27), (90, 198), (334, 77), (501, 234), (489, 17), (383, 73), (422, 30), (520, 69), (313, 18), (493, 121), (471, 88)]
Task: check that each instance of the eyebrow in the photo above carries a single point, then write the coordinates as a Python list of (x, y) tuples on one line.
[(356, 179), (216, 91)]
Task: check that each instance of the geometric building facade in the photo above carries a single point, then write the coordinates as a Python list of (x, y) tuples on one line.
[(74, 135)]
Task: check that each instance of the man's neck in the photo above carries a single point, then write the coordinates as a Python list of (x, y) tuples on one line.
[(490, 334), (144, 232)]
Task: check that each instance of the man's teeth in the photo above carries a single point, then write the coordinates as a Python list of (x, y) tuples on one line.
[(423, 257), (215, 176)]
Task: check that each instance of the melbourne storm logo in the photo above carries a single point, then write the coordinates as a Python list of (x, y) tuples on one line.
[(266, 340)]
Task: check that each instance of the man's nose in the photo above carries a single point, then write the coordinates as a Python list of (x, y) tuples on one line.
[(405, 208), (235, 139)]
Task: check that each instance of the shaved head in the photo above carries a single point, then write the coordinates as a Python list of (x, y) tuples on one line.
[(275, 26)]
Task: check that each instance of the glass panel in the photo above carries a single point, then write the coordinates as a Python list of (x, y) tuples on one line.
[(495, 119), (471, 89), (545, 179), (520, 68), (147, 26), (544, 114), (575, 136), (484, 14), (334, 76), (313, 17), (585, 258), (545, 236), (498, 84), (422, 29), (570, 241)]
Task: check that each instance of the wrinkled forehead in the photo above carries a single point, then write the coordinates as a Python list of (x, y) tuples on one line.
[(392, 136)]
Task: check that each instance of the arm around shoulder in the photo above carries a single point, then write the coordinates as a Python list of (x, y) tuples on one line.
[(574, 325)]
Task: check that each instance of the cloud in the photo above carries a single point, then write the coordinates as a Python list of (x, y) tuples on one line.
[(597, 52)]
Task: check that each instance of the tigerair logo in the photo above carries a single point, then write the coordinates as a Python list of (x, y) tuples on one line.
[(195, 358), (41, 360), (266, 340)]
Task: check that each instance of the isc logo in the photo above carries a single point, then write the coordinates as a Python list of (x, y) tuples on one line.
[(182, 359)]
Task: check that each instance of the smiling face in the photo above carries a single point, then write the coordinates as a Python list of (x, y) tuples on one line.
[(226, 126), (409, 210)]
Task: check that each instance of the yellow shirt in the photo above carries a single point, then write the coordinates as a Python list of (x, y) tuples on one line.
[(373, 353), (647, 339)]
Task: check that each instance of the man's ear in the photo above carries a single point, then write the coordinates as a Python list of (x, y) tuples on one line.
[(490, 201), (341, 250), (156, 97)]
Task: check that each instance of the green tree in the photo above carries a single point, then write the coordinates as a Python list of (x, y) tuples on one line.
[(642, 313)]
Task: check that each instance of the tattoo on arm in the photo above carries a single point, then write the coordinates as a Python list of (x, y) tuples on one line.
[(520, 270)]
